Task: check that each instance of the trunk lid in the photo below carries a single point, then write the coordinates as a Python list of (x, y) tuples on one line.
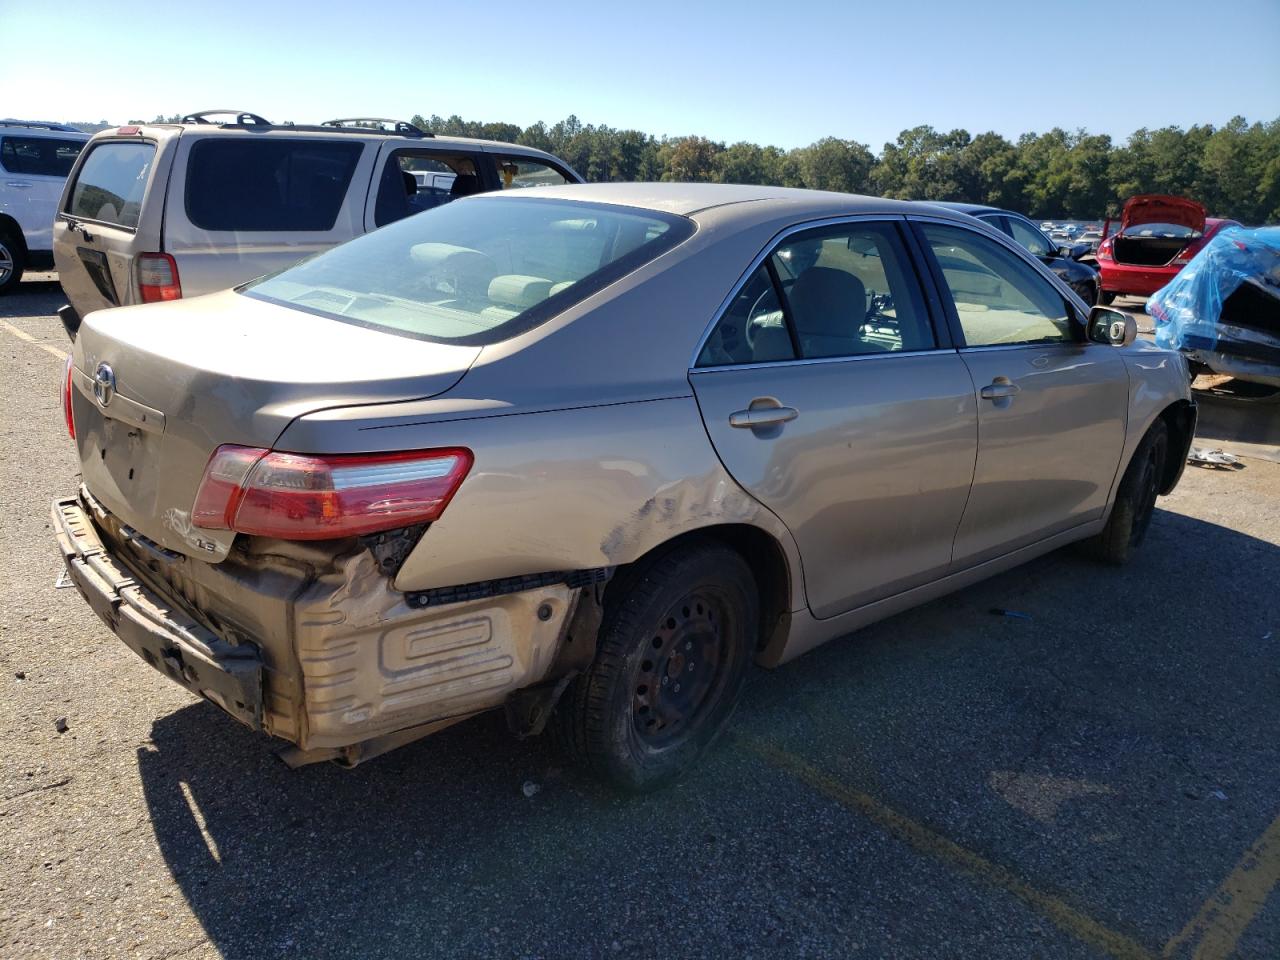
[(1162, 208), (188, 376)]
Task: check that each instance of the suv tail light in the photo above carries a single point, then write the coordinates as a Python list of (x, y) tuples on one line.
[(292, 496), (158, 278), (66, 397)]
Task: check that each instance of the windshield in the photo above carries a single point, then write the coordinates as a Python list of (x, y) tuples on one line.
[(477, 272)]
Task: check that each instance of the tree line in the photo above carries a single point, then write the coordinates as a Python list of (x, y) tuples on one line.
[(1234, 170)]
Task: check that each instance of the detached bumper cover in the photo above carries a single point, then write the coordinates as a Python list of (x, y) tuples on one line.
[(168, 639)]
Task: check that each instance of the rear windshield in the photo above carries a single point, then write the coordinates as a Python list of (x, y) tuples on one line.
[(39, 156), (273, 185), (475, 272), (1176, 231), (112, 181)]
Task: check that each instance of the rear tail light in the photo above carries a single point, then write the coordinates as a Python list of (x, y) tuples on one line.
[(1186, 256), (158, 278), (1104, 249), (66, 397), (293, 496)]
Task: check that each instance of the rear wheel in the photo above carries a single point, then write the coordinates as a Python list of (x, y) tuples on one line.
[(12, 262), (673, 655), (1135, 500)]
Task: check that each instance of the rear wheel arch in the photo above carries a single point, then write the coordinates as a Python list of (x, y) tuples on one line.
[(763, 554), (10, 228)]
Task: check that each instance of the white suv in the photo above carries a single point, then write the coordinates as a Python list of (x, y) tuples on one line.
[(169, 210), (35, 158)]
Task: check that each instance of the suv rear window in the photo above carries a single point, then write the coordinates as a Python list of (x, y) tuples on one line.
[(478, 271), (111, 183), (39, 156), (275, 185)]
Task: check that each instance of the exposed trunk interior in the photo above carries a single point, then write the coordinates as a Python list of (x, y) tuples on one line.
[(1147, 251)]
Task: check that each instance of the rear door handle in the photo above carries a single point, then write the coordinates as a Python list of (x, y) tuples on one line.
[(19, 184), (1000, 387), (762, 416)]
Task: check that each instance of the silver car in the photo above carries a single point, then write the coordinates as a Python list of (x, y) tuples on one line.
[(588, 452)]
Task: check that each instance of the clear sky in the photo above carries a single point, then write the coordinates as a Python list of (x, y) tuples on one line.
[(782, 72)]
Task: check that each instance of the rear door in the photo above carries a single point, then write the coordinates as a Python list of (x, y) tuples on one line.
[(1051, 405), (246, 204), (830, 396), (107, 216), (34, 170)]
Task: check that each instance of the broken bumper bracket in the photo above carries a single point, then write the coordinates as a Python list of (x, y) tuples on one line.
[(167, 638)]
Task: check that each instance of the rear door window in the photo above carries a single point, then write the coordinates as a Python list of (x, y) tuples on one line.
[(112, 181), (275, 185), (39, 156)]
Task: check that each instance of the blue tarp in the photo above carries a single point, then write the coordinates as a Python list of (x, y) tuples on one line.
[(1188, 307)]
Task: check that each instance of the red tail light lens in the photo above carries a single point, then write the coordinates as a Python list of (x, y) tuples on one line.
[(1104, 248), (158, 278), (1187, 255), (294, 496), (66, 397)]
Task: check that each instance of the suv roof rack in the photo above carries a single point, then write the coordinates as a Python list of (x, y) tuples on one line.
[(40, 125), (242, 117), (401, 127)]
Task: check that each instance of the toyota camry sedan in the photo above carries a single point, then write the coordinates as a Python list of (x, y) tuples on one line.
[(585, 454)]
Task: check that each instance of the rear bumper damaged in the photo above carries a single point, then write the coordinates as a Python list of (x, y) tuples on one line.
[(310, 643)]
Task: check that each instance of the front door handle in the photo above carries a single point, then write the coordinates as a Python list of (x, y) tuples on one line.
[(18, 184), (1000, 387), (763, 416)]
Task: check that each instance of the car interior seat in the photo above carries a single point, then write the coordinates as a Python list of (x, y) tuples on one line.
[(464, 185), (828, 307)]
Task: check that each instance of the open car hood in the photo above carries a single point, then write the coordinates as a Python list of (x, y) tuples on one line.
[(1162, 208)]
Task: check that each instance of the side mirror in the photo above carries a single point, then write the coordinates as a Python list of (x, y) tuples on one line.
[(1114, 327)]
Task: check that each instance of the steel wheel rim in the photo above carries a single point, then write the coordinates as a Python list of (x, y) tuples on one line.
[(1147, 486), (6, 263), (681, 670)]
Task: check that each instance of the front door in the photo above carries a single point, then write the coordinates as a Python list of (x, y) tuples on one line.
[(1051, 405), (829, 397)]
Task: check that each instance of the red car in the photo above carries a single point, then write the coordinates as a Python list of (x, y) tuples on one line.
[(1158, 236)]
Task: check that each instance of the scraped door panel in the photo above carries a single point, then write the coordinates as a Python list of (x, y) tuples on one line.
[(871, 475), (1048, 454)]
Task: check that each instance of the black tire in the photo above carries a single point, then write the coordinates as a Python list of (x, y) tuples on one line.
[(1106, 298), (12, 262), (686, 618), (1135, 500)]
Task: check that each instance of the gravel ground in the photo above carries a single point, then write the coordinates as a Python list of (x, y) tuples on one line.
[(1099, 777)]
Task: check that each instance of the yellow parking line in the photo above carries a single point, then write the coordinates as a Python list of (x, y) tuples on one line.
[(929, 842), (1234, 905), (23, 335)]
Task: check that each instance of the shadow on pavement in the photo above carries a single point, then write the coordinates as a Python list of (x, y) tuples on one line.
[(1149, 684)]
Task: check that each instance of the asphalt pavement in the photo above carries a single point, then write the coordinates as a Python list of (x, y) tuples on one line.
[(1095, 775)]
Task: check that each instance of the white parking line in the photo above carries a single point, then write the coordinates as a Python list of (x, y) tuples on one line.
[(23, 335)]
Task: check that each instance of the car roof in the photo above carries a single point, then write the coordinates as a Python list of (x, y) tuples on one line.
[(43, 128), (741, 203), (321, 131)]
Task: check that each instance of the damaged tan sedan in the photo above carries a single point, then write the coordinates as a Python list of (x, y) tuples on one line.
[(586, 453)]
